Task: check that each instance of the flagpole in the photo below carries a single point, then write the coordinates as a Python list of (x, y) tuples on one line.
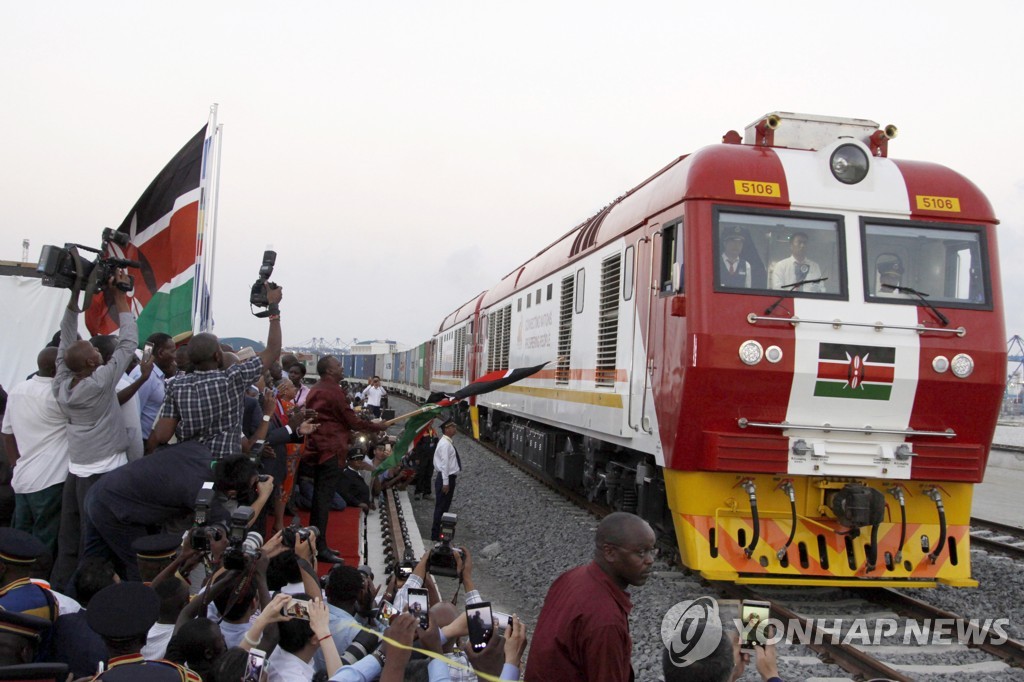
[(213, 227)]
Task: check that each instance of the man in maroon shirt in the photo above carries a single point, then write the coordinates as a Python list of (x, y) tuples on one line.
[(583, 631), (329, 444)]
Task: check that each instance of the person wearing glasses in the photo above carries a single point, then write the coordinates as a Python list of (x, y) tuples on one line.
[(583, 629)]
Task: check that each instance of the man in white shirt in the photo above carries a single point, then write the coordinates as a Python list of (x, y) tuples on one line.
[(36, 442), (735, 270), (797, 268), (373, 394), (447, 465)]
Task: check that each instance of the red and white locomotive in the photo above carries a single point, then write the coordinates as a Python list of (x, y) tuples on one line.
[(787, 347)]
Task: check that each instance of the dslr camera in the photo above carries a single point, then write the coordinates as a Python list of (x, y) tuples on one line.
[(442, 557), (258, 294), (243, 545), (63, 267), (293, 535), (202, 532)]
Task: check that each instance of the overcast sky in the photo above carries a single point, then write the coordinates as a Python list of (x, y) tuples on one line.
[(403, 156)]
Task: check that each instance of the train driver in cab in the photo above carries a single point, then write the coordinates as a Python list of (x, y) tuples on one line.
[(797, 267), (889, 269), (735, 272)]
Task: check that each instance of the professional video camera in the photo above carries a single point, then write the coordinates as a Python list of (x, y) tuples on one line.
[(442, 557), (202, 532), (258, 295), (64, 268), (243, 546)]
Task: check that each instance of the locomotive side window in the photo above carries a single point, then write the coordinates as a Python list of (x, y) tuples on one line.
[(904, 260), (775, 252), (671, 257)]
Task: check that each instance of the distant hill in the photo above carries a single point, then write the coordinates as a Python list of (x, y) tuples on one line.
[(240, 342)]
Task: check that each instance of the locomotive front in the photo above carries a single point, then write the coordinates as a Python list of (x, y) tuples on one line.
[(840, 362)]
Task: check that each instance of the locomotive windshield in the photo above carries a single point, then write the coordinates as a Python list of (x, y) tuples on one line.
[(946, 264), (778, 253)]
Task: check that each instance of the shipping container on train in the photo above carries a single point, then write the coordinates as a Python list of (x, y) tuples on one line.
[(786, 350)]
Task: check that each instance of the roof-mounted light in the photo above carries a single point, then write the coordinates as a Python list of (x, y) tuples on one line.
[(849, 164)]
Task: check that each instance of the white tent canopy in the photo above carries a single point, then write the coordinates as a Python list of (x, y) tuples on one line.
[(29, 316)]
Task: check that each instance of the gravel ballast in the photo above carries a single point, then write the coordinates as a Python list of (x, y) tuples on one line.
[(524, 535)]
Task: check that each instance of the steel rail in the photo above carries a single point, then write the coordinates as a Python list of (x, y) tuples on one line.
[(848, 657), (1010, 651)]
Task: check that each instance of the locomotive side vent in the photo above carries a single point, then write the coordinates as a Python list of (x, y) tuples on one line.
[(608, 322), (498, 330), (565, 330), (460, 351)]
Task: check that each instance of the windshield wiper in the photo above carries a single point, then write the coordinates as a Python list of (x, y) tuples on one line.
[(792, 287), (802, 282), (921, 296)]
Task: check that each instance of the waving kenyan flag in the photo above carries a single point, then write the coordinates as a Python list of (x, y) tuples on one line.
[(165, 228)]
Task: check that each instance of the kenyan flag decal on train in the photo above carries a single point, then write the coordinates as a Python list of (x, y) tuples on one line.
[(860, 372)]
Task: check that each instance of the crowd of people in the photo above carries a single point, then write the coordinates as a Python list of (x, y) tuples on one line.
[(144, 486)]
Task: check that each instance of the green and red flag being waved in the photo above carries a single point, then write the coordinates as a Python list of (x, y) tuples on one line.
[(167, 228), (419, 421), (491, 381), (859, 372)]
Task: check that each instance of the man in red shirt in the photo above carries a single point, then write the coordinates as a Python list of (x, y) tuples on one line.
[(583, 631), (329, 444)]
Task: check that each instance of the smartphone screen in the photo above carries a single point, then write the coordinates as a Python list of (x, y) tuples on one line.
[(754, 615), (418, 605), (481, 624), (254, 666), (147, 352), (387, 611), (297, 608)]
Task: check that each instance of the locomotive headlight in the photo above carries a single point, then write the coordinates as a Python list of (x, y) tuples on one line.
[(849, 164), (751, 352), (940, 363), (962, 365)]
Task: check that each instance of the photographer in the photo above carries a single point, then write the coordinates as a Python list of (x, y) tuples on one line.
[(97, 440), (161, 489), (206, 405)]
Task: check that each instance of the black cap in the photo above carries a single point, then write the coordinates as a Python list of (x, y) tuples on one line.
[(446, 423), (734, 232), (157, 547), (123, 610), (22, 624), (19, 547)]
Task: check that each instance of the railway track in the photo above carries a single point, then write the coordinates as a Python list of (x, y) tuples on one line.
[(984, 653), (998, 537)]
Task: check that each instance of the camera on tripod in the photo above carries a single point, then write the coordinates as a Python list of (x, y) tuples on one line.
[(258, 295), (442, 557), (62, 267)]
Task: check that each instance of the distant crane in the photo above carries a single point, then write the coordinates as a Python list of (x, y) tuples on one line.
[(1015, 354), (321, 346)]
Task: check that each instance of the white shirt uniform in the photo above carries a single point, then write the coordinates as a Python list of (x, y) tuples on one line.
[(788, 271), (373, 394), (446, 461), (40, 428)]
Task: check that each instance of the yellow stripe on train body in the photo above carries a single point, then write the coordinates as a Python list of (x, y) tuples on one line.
[(710, 506)]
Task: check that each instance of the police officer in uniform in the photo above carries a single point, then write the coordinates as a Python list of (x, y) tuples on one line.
[(155, 553), (18, 552), (735, 271), (122, 615)]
